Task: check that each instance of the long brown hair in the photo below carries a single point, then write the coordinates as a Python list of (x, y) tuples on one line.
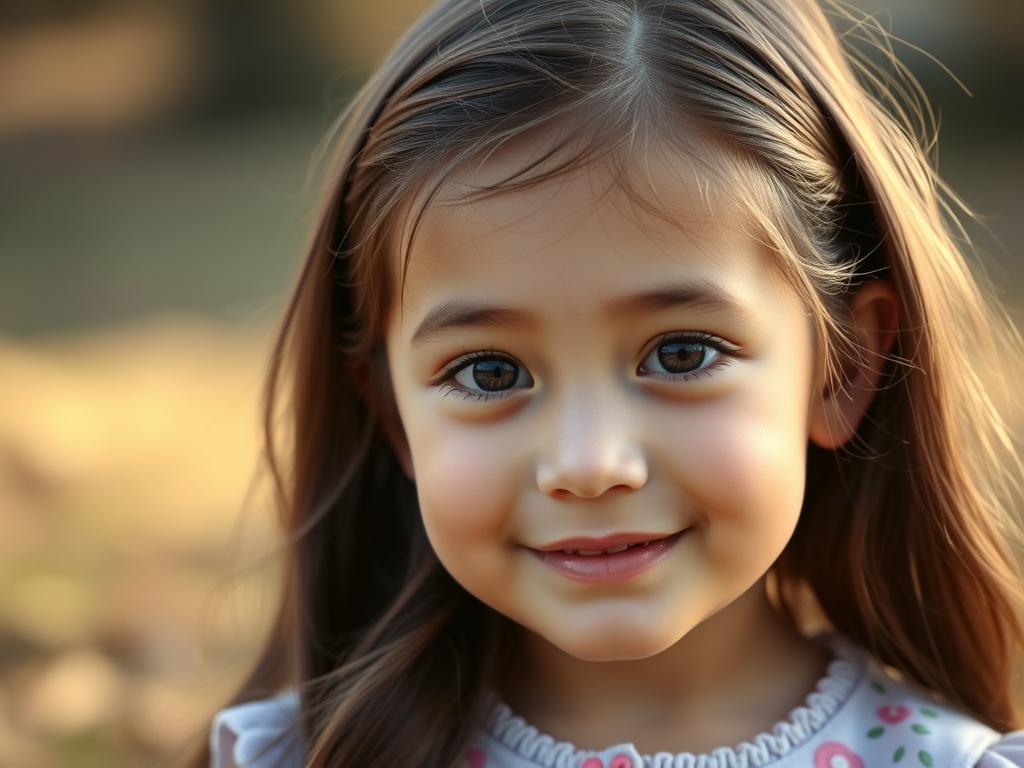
[(905, 541)]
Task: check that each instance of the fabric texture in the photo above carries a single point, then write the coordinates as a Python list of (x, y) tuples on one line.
[(858, 716)]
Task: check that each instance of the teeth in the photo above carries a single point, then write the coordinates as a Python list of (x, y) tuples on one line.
[(593, 552)]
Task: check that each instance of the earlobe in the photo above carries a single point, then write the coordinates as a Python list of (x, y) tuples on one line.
[(836, 412)]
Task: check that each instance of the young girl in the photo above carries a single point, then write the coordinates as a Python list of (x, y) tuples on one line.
[(641, 413)]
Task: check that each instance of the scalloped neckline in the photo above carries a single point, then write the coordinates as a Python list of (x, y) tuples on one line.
[(803, 722)]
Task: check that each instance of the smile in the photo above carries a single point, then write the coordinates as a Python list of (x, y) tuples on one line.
[(617, 563)]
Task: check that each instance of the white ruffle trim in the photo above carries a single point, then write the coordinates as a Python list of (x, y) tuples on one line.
[(1008, 752), (255, 734), (842, 675)]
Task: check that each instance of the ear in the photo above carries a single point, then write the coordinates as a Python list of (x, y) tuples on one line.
[(836, 412), (373, 381)]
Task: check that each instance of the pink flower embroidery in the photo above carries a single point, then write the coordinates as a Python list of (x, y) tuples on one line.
[(620, 760), (893, 714), (475, 758), (833, 754)]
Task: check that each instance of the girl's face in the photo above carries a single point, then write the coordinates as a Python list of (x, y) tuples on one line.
[(608, 412)]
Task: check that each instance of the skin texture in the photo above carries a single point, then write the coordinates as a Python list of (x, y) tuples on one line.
[(689, 655)]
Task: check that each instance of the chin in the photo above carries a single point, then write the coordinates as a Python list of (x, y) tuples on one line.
[(621, 643)]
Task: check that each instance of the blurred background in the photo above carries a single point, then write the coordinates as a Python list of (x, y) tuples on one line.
[(152, 161)]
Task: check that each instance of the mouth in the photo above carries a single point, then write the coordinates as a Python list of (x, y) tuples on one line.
[(589, 546), (615, 563)]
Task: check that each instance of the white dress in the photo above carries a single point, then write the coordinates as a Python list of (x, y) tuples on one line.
[(858, 716)]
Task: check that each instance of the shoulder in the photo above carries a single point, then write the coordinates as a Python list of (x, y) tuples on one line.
[(257, 734), (890, 720), (1008, 752)]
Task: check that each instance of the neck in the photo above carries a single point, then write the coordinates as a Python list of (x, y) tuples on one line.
[(737, 673)]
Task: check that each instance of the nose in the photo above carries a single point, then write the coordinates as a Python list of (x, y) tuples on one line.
[(593, 452)]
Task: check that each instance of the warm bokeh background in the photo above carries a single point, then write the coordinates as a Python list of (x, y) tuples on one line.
[(152, 160)]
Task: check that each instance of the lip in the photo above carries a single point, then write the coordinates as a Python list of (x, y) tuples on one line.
[(602, 542), (616, 567)]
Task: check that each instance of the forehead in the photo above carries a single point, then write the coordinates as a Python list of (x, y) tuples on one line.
[(578, 241)]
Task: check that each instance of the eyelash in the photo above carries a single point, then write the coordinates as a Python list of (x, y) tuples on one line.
[(726, 356)]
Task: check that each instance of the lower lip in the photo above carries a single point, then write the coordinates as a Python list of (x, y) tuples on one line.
[(610, 568)]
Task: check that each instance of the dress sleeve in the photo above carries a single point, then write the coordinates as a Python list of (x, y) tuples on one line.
[(1008, 752), (257, 734)]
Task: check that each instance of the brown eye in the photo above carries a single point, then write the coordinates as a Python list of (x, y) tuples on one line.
[(491, 375), (484, 375), (682, 356), (687, 357)]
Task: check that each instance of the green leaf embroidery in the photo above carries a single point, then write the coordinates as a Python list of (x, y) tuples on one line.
[(918, 728), (875, 732), (878, 686), (929, 712), (925, 758), (898, 755)]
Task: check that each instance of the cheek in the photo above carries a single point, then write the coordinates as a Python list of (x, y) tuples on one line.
[(465, 488), (745, 474)]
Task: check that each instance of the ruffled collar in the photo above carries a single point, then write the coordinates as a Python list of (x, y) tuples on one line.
[(846, 669)]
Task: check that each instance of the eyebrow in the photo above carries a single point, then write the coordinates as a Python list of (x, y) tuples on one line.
[(698, 294)]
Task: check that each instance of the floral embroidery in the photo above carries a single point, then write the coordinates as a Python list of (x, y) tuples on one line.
[(834, 754), (894, 714), (620, 760)]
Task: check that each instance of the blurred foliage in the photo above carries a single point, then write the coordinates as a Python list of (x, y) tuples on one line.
[(151, 222)]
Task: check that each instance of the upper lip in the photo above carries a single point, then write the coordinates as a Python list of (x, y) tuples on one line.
[(602, 542)]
